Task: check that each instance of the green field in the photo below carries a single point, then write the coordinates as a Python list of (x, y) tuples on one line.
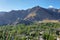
[(32, 31)]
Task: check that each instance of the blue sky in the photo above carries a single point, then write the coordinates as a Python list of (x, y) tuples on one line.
[(7, 5)]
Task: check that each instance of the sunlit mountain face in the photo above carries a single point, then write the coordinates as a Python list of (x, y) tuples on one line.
[(36, 13)]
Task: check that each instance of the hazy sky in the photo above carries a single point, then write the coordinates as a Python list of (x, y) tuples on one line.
[(7, 5)]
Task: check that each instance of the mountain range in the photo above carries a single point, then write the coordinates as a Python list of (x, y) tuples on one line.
[(36, 13)]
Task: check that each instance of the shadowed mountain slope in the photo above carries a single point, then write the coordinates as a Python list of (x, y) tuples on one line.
[(36, 13)]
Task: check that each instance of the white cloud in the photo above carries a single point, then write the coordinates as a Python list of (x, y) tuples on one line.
[(50, 6)]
